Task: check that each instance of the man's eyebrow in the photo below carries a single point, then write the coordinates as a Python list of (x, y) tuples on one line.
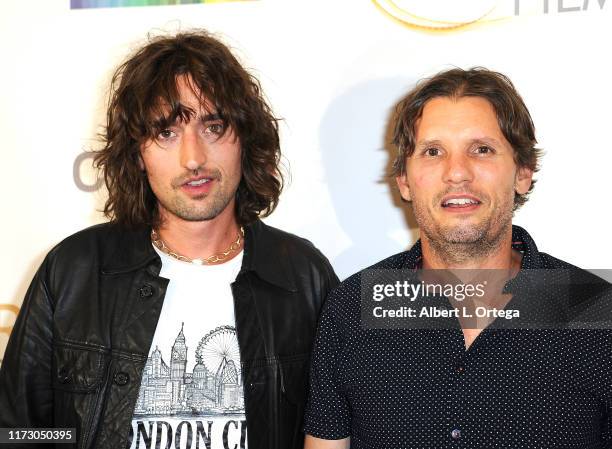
[(210, 117), (481, 140), (428, 143), (486, 141)]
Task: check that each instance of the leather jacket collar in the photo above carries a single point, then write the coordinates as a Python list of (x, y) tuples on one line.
[(261, 255)]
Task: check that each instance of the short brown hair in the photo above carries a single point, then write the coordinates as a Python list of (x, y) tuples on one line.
[(147, 81), (512, 115)]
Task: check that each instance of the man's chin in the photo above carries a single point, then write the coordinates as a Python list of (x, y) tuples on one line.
[(202, 214), (465, 236), (195, 211)]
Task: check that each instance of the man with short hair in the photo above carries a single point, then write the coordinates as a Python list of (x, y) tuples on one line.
[(185, 318), (466, 159)]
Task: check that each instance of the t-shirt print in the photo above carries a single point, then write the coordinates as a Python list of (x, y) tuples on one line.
[(181, 407), (191, 393)]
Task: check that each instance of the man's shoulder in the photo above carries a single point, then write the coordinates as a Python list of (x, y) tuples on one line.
[(96, 245), (81, 241), (286, 245), (572, 274), (286, 259), (351, 286), (549, 262), (584, 294), (100, 236)]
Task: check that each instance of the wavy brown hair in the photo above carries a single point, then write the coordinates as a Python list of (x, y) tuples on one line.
[(144, 97), (512, 115)]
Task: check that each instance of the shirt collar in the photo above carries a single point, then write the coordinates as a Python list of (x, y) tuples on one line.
[(131, 249), (265, 253), (522, 242)]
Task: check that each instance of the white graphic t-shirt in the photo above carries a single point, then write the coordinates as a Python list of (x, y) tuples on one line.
[(191, 393)]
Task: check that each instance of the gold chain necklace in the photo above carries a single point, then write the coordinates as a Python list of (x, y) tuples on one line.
[(219, 257)]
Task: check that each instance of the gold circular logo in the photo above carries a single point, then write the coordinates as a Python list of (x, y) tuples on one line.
[(438, 14)]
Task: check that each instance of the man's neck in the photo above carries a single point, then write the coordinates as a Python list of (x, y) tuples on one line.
[(200, 239), (498, 255), (498, 258)]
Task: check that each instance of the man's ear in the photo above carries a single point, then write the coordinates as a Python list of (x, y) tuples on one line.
[(141, 164), (402, 185), (524, 177)]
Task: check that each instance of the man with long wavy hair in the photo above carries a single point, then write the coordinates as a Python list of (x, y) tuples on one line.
[(185, 318)]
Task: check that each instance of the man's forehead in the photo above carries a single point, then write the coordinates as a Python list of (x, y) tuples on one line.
[(463, 116), (442, 104), (190, 92)]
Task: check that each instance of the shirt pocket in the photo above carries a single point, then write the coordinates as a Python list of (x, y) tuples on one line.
[(78, 372)]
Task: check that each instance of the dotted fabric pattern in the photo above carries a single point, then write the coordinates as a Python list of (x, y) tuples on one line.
[(407, 388)]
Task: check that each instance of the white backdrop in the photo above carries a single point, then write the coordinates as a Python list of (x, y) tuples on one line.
[(332, 70)]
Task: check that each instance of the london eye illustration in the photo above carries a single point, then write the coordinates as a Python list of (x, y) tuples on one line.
[(218, 347), (218, 352)]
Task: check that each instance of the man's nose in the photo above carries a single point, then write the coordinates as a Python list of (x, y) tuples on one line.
[(193, 150), (458, 169)]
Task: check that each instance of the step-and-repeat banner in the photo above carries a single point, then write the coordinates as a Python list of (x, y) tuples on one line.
[(333, 71)]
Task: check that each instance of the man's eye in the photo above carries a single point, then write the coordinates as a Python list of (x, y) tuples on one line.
[(484, 150), (432, 152), (215, 128), (165, 134)]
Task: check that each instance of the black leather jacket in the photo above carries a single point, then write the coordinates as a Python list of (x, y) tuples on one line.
[(80, 343)]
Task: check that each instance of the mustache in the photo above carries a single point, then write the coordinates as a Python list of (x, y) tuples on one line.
[(191, 174)]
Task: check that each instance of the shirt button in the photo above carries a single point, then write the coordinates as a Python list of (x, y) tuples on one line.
[(460, 369), (146, 291), (122, 378), (455, 434)]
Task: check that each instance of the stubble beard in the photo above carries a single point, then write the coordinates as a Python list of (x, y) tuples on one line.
[(202, 207), (190, 212), (465, 241)]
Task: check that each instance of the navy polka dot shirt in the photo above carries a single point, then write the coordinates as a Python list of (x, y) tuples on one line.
[(421, 388)]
